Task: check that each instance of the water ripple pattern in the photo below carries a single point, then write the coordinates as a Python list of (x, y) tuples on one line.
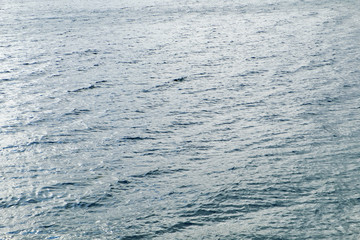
[(196, 119)]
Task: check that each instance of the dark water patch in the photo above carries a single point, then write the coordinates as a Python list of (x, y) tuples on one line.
[(92, 51), (236, 150), (101, 81), (134, 139), (8, 79), (181, 79), (123, 182), (33, 63), (328, 100), (234, 168), (45, 143), (121, 185), (198, 159), (5, 71)]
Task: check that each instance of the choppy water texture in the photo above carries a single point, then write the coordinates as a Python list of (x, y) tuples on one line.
[(195, 119)]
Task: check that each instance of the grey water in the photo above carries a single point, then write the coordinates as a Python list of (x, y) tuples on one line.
[(194, 119)]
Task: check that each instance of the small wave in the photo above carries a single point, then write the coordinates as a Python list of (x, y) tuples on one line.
[(178, 227), (44, 141), (77, 112), (252, 73), (43, 194), (81, 204), (33, 63), (130, 62), (92, 86), (134, 138), (200, 212), (166, 85), (136, 236), (260, 57), (121, 185), (85, 52), (198, 159), (62, 185), (181, 79), (314, 65), (17, 201), (184, 124), (158, 172)]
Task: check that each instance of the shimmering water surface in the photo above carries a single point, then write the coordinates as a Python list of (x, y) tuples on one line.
[(196, 119)]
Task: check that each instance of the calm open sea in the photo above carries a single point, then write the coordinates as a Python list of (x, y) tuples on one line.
[(194, 119)]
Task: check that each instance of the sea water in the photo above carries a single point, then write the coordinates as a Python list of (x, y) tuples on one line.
[(194, 119)]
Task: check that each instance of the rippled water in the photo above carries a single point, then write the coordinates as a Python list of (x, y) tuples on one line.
[(195, 119)]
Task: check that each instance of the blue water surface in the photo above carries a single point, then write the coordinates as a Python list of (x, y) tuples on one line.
[(196, 119)]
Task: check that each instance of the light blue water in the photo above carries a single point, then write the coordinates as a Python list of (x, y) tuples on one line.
[(179, 120)]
